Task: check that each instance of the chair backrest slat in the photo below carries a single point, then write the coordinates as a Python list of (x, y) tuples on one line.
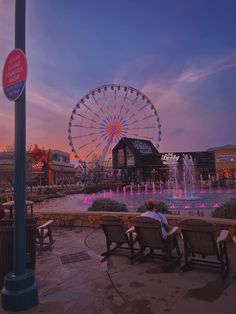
[(149, 232), (199, 236), (114, 228)]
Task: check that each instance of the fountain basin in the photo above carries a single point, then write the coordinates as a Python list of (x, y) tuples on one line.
[(183, 198)]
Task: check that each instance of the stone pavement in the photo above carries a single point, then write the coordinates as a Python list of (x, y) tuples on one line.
[(88, 286)]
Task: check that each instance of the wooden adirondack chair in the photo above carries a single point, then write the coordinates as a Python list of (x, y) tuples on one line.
[(149, 235), (116, 236), (202, 240)]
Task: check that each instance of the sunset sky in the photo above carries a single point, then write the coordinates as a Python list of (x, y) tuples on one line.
[(180, 53)]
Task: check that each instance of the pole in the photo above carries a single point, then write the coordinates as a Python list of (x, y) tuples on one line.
[(20, 291), (85, 174), (20, 139)]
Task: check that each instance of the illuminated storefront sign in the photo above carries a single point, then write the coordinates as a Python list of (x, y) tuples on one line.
[(169, 158), (142, 147), (38, 165), (225, 160), (224, 157)]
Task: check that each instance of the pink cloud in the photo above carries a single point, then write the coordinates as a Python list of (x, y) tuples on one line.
[(220, 64)]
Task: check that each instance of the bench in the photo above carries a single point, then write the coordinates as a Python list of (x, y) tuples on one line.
[(45, 232)]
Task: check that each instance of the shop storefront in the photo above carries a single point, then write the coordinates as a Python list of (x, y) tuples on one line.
[(7, 169), (52, 167), (225, 161), (43, 167), (135, 160), (138, 160)]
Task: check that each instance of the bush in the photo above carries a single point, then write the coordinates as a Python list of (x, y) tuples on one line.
[(107, 204), (162, 207), (226, 210)]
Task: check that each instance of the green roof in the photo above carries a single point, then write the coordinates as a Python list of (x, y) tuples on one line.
[(225, 147)]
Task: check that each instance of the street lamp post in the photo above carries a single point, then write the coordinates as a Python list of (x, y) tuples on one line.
[(85, 173), (20, 291)]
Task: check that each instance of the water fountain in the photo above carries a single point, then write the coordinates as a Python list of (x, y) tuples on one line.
[(153, 188), (131, 190), (138, 189), (179, 192), (146, 189), (188, 180), (160, 184), (181, 205), (124, 191)]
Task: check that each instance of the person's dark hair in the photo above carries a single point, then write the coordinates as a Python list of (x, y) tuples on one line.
[(149, 204)]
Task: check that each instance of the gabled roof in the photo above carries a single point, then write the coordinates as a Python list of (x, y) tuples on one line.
[(138, 146)]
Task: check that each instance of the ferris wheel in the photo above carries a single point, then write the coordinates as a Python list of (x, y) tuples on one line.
[(105, 115)]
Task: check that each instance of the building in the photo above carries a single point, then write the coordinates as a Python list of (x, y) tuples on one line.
[(135, 159), (204, 163), (43, 167), (7, 168), (52, 167), (225, 161), (138, 160)]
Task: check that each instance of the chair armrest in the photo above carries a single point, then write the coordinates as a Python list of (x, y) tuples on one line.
[(46, 224), (234, 239), (223, 236), (130, 230), (172, 231)]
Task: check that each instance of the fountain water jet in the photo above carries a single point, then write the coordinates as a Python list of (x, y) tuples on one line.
[(188, 183), (153, 188)]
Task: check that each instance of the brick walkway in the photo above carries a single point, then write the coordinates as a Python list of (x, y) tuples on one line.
[(72, 280)]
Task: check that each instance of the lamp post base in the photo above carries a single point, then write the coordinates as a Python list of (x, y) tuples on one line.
[(20, 292)]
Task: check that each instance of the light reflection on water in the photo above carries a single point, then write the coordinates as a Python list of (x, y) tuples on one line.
[(80, 202)]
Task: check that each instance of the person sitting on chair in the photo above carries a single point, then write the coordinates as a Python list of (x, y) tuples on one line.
[(153, 213)]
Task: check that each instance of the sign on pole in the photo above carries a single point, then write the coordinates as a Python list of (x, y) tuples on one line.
[(14, 74)]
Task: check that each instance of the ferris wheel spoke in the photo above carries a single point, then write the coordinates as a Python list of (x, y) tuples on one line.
[(98, 104), (82, 146), (84, 127), (123, 103), (115, 102), (138, 111), (86, 144), (132, 114), (95, 113), (140, 120), (82, 116), (94, 150), (90, 153), (107, 105), (145, 106), (131, 105), (144, 127), (85, 135), (118, 138)]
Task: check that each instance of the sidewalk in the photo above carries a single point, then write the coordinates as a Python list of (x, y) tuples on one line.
[(88, 286)]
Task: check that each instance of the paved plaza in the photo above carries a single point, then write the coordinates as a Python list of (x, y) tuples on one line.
[(73, 280)]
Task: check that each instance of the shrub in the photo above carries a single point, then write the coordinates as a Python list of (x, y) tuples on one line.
[(161, 206), (226, 210), (107, 204)]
